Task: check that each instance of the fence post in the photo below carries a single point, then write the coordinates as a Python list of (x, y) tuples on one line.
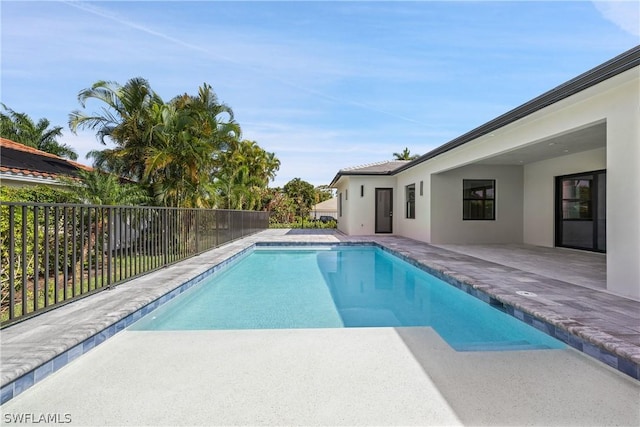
[(12, 268), (46, 255), (109, 243), (36, 267), (24, 260), (217, 223), (165, 237), (197, 230), (65, 251)]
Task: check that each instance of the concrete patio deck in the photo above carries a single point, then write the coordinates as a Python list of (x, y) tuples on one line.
[(330, 376)]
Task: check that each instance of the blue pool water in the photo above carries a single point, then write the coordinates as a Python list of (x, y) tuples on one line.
[(338, 287)]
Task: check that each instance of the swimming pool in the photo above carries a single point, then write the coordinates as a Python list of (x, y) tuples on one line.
[(337, 287)]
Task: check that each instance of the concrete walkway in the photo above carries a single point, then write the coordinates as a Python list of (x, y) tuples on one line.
[(341, 377)]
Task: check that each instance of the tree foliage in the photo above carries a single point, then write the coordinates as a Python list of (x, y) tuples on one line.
[(19, 127), (38, 194), (302, 193), (103, 188), (243, 174), (125, 120), (281, 207), (186, 152), (405, 155), (323, 192), (10, 224)]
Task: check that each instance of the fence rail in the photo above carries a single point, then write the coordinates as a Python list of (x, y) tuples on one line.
[(54, 253)]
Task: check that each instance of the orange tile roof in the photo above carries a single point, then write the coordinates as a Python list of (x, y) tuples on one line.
[(17, 170), (4, 142)]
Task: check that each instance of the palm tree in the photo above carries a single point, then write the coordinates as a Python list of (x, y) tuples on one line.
[(209, 119), (178, 163), (103, 188), (245, 170), (173, 148), (125, 121), (189, 136), (405, 155), (19, 127)]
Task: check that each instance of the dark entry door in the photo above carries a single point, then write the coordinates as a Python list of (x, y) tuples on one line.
[(384, 210), (581, 211)]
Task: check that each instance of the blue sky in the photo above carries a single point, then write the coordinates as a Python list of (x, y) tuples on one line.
[(324, 85)]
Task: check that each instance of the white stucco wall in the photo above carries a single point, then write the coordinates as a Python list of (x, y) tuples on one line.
[(619, 106), (618, 103), (358, 212), (28, 181), (623, 189), (447, 225), (343, 218), (539, 191), (418, 228)]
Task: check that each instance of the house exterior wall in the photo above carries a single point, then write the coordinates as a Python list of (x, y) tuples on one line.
[(623, 184), (446, 207), (618, 104), (418, 228), (326, 208), (358, 212), (614, 101), (343, 216), (539, 191), (28, 181)]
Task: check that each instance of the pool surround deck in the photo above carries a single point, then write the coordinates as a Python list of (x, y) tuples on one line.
[(597, 323)]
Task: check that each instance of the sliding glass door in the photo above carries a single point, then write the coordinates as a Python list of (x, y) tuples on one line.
[(581, 211)]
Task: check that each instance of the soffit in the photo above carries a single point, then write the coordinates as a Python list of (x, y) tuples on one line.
[(585, 139)]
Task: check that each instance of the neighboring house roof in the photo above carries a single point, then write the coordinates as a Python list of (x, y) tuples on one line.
[(607, 70), (378, 168), (328, 205), (18, 161)]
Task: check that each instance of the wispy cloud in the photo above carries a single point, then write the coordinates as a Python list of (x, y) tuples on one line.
[(324, 85), (112, 16), (206, 50), (624, 14)]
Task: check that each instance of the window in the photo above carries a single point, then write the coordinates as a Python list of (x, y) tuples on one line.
[(421, 187), (410, 197), (577, 198), (581, 211), (478, 200), (340, 204), (362, 191)]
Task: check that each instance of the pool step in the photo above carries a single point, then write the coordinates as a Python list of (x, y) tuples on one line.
[(499, 346)]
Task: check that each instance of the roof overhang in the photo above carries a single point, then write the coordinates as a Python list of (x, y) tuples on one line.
[(618, 65), (11, 177), (340, 174), (385, 168)]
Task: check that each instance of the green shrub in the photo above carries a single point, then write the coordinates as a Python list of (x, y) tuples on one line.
[(39, 194), (298, 223)]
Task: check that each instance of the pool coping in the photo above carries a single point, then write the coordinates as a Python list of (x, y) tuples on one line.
[(606, 348), (591, 341)]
